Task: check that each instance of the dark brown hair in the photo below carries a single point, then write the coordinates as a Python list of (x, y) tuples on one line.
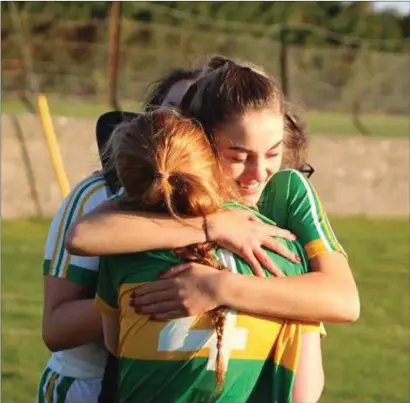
[(295, 141), (229, 90), (161, 87), (166, 164)]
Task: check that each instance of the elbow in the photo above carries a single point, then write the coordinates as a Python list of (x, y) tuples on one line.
[(352, 305), (110, 345), (352, 313), (54, 336), (349, 308), (52, 341), (111, 349)]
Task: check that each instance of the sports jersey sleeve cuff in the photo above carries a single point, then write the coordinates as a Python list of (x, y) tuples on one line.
[(315, 327), (317, 248), (75, 274), (103, 307)]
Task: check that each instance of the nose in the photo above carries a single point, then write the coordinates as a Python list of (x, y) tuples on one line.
[(257, 170)]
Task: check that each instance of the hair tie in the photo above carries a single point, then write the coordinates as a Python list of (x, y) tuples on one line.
[(162, 175)]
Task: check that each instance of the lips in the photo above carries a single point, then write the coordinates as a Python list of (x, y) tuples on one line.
[(250, 189)]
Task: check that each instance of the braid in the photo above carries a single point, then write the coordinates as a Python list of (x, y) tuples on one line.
[(203, 254), (218, 316)]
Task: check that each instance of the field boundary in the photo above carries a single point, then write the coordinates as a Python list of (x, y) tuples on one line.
[(354, 174)]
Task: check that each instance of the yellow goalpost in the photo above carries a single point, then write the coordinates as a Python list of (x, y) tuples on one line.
[(52, 144), (42, 104)]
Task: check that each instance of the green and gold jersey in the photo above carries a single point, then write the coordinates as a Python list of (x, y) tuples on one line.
[(88, 360), (292, 203), (174, 361)]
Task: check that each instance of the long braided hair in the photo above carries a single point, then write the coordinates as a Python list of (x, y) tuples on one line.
[(204, 254), (165, 163)]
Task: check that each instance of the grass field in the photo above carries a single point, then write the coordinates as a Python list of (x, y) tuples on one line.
[(319, 122), (367, 362)]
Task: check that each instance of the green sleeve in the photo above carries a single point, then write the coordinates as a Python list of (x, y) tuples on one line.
[(107, 295), (294, 201)]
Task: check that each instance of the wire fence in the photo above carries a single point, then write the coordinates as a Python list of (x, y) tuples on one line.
[(69, 58)]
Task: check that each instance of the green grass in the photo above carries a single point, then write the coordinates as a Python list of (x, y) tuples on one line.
[(367, 362), (319, 122), (342, 124)]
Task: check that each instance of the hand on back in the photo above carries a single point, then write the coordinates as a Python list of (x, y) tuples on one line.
[(192, 288), (242, 233)]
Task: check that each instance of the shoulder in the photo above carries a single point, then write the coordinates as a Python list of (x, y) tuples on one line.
[(85, 196), (287, 177), (292, 182), (282, 185), (93, 187)]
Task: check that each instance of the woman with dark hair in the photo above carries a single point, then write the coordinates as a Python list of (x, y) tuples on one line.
[(244, 115), (166, 165), (243, 112)]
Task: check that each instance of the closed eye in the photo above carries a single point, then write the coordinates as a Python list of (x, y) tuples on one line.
[(238, 159), (272, 155)]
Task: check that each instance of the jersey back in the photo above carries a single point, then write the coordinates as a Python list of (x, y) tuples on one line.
[(174, 361)]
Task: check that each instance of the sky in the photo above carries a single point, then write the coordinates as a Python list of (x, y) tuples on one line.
[(401, 6)]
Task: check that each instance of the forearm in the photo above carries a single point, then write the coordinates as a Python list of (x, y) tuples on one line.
[(110, 325), (310, 377), (72, 324), (109, 233), (112, 348), (312, 297)]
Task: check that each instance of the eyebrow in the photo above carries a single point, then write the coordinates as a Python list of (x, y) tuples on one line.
[(246, 150)]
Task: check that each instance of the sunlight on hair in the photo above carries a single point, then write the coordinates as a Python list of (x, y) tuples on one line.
[(166, 164)]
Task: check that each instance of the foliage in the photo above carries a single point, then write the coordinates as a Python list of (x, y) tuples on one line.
[(339, 54), (355, 19)]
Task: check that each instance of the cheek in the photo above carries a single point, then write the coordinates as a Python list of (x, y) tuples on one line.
[(275, 164), (230, 170)]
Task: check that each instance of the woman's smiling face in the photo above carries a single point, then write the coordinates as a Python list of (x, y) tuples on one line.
[(251, 150)]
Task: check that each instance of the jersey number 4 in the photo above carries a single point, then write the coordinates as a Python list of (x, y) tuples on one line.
[(179, 335)]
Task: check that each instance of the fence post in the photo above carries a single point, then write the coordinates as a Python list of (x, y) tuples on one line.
[(113, 55), (283, 60)]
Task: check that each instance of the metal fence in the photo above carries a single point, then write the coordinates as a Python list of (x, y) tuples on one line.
[(69, 58)]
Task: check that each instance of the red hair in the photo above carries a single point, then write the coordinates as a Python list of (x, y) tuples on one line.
[(166, 164)]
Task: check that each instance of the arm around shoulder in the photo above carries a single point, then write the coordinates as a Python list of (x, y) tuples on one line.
[(327, 294), (107, 230)]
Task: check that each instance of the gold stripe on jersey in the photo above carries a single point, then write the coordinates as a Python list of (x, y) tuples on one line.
[(326, 225), (60, 232), (80, 213), (316, 247), (259, 334), (50, 388), (81, 187)]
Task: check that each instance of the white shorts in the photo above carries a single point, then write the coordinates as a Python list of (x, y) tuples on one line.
[(55, 388)]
